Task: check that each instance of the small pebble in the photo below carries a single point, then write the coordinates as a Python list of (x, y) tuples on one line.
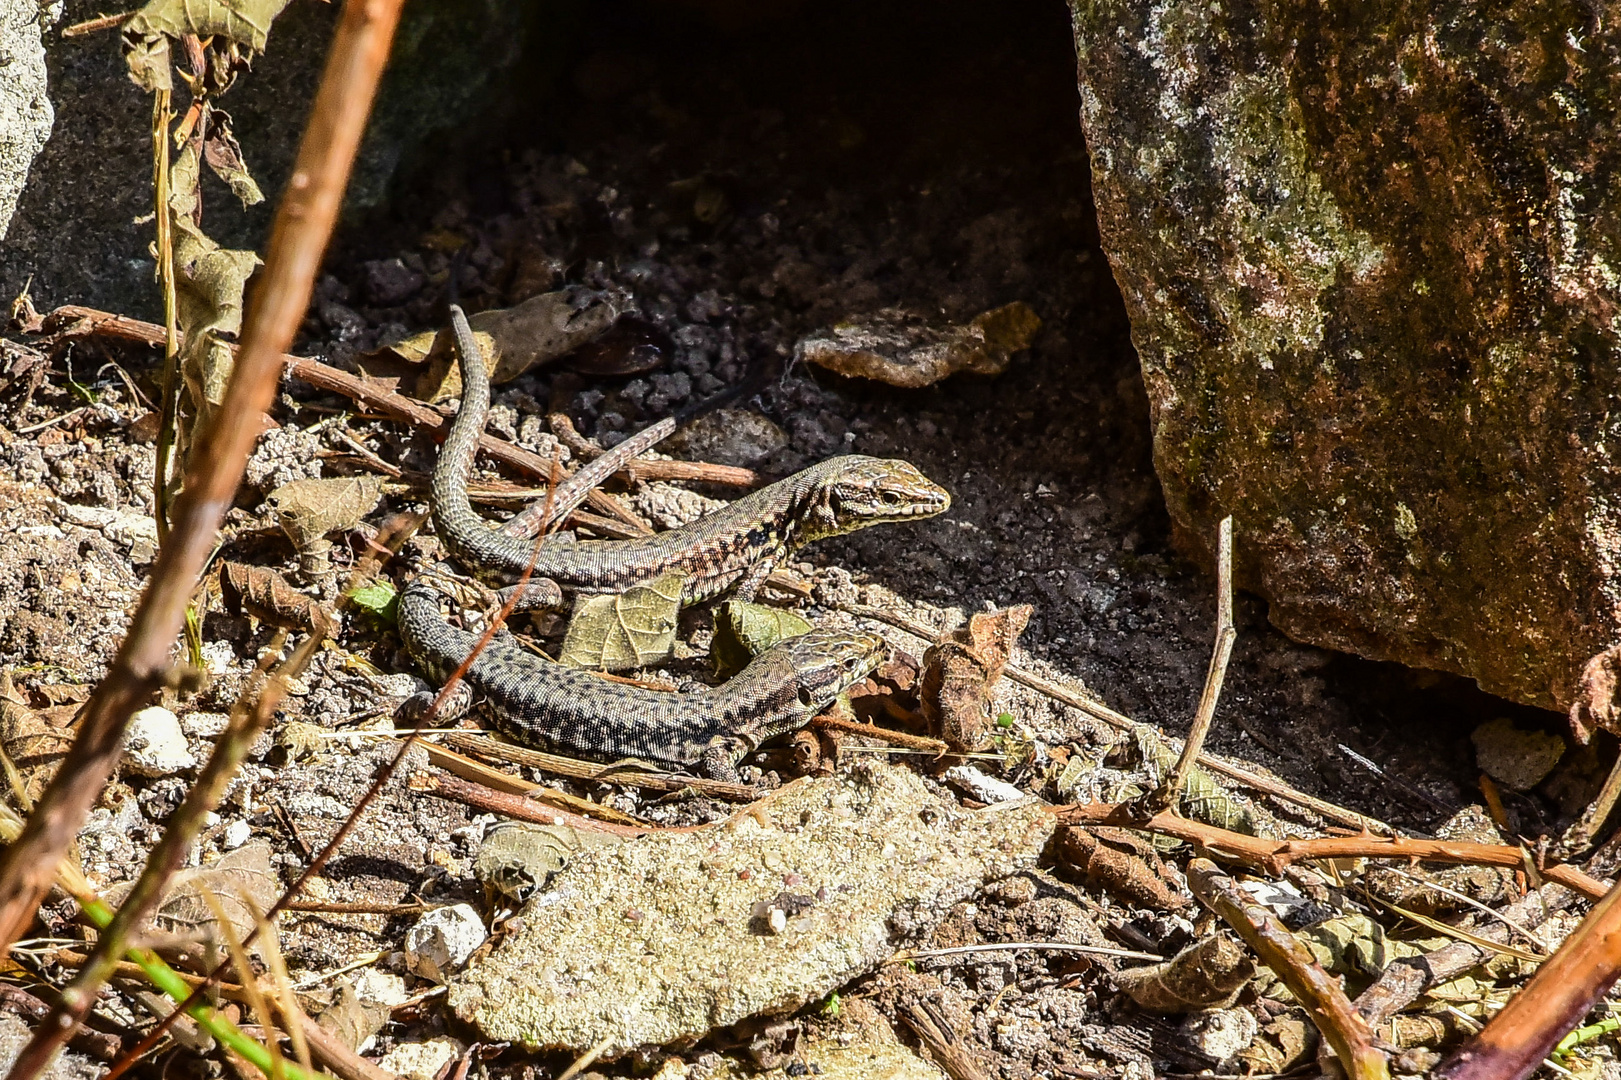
[(442, 940), (236, 834), (155, 745), (421, 1060)]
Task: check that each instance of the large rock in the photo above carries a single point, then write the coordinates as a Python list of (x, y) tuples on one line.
[(25, 110), (1372, 267)]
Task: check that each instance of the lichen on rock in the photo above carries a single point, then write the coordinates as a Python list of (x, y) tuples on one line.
[(656, 940), (1373, 270)]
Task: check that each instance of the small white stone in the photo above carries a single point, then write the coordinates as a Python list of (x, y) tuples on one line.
[(236, 834), (442, 940), (986, 789), (421, 1060), (379, 986), (155, 745), (778, 921)]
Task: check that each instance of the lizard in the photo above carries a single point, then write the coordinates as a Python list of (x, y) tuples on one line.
[(732, 549), (549, 705)]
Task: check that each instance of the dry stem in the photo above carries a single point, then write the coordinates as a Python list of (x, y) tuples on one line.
[(1318, 992), (303, 224)]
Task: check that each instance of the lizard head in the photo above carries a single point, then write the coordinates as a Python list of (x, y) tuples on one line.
[(854, 492), (826, 663)]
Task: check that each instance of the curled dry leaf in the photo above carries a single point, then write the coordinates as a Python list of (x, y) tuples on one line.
[(518, 857), (901, 349), (268, 597), (224, 156), (958, 676), (1596, 705), (1207, 974), (31, 743), (1120, 863), (633, 629), (744, 630), (1281, 1045), (1205, 798), (352, 1019), (513, 340)]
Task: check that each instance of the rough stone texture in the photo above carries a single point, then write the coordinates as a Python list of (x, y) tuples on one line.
[(1371, 267), (665, 937), (25, 110)]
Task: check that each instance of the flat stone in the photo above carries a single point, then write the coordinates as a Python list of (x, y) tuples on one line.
[(655, 940)]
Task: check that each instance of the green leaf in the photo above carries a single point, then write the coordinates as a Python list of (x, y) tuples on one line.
[(376, 599), (744, 631), (633, 629)]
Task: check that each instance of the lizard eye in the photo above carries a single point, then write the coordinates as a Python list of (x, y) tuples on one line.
[(805, 697)]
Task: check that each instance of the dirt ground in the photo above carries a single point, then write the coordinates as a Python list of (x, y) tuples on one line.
[(750, 183)]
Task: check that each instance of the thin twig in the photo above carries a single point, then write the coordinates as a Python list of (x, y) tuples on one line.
[(1043, 946), (169, 406), (487, 747), (1170, 792), (1401, 983), (488, 800), (480, 773), (1317, 992), (1565, 988), (573, 491), (1274, 855), (299, 237), (91, 26), (1099, 711), (895, 738)]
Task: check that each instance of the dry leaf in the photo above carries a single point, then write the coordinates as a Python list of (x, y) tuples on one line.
[(744, 631), (185, 916), (1207, 974), (147, 34), (31, 746), (513, 340), (351, 1019), (268, 597), (309, 509), (901, 349), (224, 156), (1122, 864), (633, 629), (958, 676)]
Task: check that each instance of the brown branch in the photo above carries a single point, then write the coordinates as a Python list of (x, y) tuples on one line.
[(491, 801), (1318, 992), (873, 731), (299, 236), (1273, 855), (486, 747), (1564, 989), (490, 777)]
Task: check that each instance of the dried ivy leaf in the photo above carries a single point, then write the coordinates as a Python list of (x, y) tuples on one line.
[(744, 631), (352, 1019), (1205, 798), (517, 857), (958, 676), (269, 597), (1207, 974), (633, 629), (243, 880), (224, 156), (147, 34), (309, 509)]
